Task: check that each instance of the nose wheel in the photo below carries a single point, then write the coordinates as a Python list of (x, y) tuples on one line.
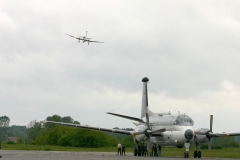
[(186, 154)]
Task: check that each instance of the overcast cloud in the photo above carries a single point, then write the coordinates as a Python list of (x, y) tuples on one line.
[(188, 49)]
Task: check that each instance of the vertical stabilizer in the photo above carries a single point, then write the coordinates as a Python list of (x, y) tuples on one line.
[(145, 98)]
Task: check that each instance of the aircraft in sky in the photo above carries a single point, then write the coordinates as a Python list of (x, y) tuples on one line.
[(162, 129), (84, 39)]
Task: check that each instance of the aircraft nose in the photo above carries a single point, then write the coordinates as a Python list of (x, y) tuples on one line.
[(188, 134)]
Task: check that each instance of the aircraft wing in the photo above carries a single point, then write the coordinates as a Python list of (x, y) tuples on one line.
[(217, 134), (95, 41), (74, 37), (127, 117), (224, 134), (233, 134), (92, 128)]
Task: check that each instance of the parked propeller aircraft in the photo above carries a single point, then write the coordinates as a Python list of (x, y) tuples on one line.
[(84, 39), (162, 129)]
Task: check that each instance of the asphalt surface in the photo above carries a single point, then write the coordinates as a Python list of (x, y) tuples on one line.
[(59, 155)]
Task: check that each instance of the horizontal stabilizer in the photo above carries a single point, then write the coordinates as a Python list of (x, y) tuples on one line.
[(127, 117)]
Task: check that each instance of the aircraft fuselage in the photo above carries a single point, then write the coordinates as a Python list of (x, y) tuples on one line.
[(179, 129)]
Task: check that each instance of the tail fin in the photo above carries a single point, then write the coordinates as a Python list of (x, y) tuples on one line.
[(145, 99)]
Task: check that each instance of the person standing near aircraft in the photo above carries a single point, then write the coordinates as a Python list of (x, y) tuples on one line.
[(142, 149), (135, 149), (119, 149), (145, 150), (123, 149), (155, 151)]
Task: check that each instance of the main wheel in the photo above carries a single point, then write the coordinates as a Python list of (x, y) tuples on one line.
[(135, 152), (139, 152), (195, 154), (199, 154), (187, 155)]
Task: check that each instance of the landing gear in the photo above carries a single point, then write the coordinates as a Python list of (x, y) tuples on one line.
[(139, 150), (135, 152), (197, 154), (186, 154)]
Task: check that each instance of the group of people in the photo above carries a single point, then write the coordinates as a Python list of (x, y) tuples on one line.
[(140, 149), (121, 149)]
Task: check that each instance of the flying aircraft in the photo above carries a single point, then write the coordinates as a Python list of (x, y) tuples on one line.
[(84, 39), (162, 129)]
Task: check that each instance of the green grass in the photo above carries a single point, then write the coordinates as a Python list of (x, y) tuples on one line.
[(167, 152)]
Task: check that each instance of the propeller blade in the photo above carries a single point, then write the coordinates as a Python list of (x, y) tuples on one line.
[(137, 133), (149, 145), (211, 122), (209, 145), (147, 117), (159, 130)]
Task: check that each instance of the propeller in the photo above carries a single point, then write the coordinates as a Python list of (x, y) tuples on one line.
[(209, 134), (148, 132)]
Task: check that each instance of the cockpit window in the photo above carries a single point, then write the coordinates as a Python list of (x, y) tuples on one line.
[(183, 120)]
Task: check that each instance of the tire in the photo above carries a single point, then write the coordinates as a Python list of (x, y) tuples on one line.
[(195, 154), (199, 154), (135, 152), (139, 152), (187, 155)]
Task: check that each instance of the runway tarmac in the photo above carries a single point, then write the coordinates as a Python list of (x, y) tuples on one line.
[(60, 155)]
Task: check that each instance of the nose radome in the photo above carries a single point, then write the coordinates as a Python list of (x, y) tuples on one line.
[(188, 134)]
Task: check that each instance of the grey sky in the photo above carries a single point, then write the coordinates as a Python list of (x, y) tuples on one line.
[(188, 49)]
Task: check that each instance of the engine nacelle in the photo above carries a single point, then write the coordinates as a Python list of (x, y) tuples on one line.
[(201, 138), (137, 123), (140, 137)]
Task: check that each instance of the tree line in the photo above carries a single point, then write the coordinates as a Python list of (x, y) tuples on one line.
[(53, 134)]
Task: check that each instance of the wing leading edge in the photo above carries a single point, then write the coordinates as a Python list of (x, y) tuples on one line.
[(74, 37), (93, 128)]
